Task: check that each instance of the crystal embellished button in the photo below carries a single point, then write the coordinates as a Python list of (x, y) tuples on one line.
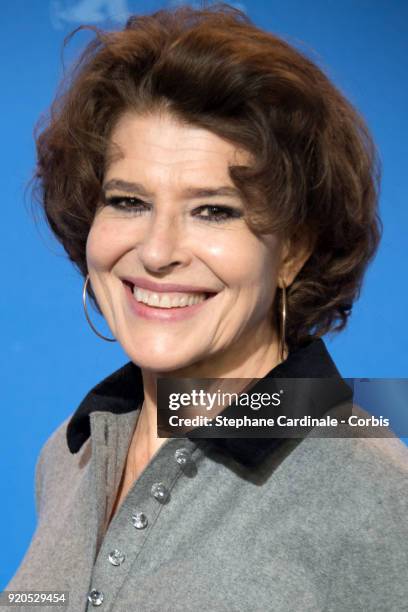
[(116, 557), (182, 456), (139, 520), (160, 492), (95, 597)]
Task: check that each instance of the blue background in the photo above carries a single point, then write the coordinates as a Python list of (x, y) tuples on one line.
[(50, 357)]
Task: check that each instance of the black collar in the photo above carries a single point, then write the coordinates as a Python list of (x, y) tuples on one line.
[(122, 391)]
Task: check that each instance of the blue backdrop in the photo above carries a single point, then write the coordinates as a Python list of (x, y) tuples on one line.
[(50, 357)]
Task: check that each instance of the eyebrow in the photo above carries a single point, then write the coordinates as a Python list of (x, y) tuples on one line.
[(189, 192)]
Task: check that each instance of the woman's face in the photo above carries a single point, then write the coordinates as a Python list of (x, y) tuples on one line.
[(172, 215)]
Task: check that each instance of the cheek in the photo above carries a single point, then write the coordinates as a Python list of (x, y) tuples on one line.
[(103, 245), (242, 259)]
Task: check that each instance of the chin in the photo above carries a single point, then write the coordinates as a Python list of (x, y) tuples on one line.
[(160, 362)]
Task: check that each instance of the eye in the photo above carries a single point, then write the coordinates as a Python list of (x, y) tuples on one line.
[(215, 213), (218, 214), (125, 203)]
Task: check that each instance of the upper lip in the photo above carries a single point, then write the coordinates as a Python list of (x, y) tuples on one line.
[(144, 283)]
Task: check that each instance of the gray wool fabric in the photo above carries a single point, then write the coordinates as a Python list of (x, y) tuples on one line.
[(320, 525), (317, 524)]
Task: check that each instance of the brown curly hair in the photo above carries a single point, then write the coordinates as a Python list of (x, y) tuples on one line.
[(316, 170)]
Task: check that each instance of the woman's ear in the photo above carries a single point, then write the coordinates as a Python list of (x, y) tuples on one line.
[(295, 252)]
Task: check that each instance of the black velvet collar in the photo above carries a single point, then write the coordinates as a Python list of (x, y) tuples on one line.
[(122, 391)]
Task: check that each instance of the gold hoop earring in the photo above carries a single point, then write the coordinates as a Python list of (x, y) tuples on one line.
[(87, 315), (283, 310)]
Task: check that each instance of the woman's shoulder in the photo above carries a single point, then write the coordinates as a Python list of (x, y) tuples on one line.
[(55, 466), (361, 468), (56, 443), (357, 442)]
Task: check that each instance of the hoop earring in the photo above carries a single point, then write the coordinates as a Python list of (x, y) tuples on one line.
[(87, 315), (283, 321)]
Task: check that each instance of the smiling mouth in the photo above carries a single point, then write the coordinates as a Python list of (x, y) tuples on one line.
[(166, 300)]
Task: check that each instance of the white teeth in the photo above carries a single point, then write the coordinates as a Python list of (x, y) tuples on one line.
[(166, 300)]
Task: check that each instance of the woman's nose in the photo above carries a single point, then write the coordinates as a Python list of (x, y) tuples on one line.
[(162, 245)]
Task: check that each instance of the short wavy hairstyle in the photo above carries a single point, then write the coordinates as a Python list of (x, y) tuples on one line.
[(316, 171)]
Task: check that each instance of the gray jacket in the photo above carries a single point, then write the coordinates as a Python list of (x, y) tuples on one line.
[(314, 524)]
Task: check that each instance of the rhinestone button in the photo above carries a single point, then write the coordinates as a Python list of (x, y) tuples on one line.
[(182, 456), (160, 492), (139, 520), (95, 597), (116, 557)]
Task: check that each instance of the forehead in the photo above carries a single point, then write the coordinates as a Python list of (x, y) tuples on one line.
[(159, 146)]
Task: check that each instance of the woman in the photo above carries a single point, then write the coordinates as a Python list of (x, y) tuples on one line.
[(219, 196)]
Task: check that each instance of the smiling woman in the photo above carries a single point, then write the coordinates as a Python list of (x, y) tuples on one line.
[(218, 195)]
